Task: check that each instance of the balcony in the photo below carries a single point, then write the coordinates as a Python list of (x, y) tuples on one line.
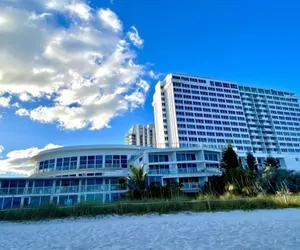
[(159, 171), (190, 186), (59, 190)]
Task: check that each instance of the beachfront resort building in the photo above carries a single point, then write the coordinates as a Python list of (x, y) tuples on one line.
[(70, 175)]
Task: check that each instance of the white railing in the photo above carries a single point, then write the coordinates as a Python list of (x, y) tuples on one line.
[(59, 189), (190, 185)]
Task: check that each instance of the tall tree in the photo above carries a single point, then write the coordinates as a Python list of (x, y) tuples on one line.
[(251, 163), (230, 163), (229, 159), (271, 163)]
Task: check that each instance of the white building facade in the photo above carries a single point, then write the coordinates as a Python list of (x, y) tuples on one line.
[(141, 135), (70, 175), (191, 110)]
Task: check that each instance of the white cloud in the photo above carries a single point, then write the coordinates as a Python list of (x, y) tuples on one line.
[(134, 37), (110, 19), (1, 149), (18, 161), (24, 97), (77, 76), (22, 112), (4, 101), (81, 9), (153, 75)]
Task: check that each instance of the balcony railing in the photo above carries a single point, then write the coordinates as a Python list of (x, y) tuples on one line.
[(208, 170), (190, 185), (59, 190)]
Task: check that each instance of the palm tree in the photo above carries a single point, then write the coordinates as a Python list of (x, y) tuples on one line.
[(137, 182), (138, 177)]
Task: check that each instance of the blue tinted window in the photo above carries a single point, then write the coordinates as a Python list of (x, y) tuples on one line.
[(59, 163), (83, 161), (66, 163), (108, 159), (91, 161), (46, 164), (99, 161), (16, 202), (7, 203), (41, 165), (73, 164)]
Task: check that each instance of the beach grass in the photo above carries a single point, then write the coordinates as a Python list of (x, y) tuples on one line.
[(148, 206)]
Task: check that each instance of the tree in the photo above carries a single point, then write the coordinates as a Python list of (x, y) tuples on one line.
[(234, 173), (252, 165), (229, 159), (137, 182), (271, 162)]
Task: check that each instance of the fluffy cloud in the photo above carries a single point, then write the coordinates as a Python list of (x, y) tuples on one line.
[(18, 161), (80, 74), (1, 149), (153, 75), (110, 19), (4, 101), (134, 37)]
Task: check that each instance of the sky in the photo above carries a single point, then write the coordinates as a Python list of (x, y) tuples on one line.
[(76, 72)]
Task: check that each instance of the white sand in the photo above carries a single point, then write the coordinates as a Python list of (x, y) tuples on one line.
[(262, 229)]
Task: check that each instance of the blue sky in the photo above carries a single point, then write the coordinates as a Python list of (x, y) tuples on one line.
[(250, 42)]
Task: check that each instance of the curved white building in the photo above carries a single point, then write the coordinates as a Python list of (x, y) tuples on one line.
[(70, 175)]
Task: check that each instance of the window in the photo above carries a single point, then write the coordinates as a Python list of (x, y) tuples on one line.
[(185, 157), (210, 157), (82, 162), (59, 164), (73, 164), (158, 158)]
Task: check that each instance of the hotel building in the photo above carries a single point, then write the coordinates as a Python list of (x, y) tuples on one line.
[(141, 135), (70, 175), (191, 110)]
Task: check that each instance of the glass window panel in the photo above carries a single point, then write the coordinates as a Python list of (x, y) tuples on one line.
[(83, 161), (7, 203), (16, 202), (48, 183), (108, 159), (39, 183), (41, 165), (46, 164), (35, 201), (99, 181), (45, 200), (13, 184), (5, 184), (22, 183), (99, 197), (65, 182), (90, 182), (59, 163), (90, 197), (74, 182), (91, 161)]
